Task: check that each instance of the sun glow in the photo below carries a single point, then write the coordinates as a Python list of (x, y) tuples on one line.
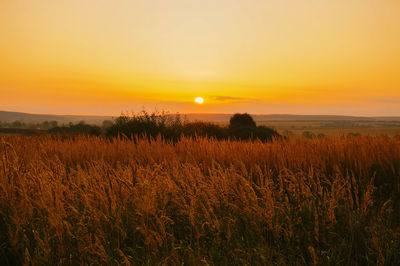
[(199, 100), (342, 57)]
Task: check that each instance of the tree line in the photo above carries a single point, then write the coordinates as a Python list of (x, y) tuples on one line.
[(23, 125)]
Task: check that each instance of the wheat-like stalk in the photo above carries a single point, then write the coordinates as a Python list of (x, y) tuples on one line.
[(93, 200)]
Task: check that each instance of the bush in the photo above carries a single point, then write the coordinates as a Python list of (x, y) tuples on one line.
[(205, 129), (145, 124), (243, 127), (264, 133), (241, 121)]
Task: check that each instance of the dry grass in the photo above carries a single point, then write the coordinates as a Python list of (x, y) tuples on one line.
[(199, 201)]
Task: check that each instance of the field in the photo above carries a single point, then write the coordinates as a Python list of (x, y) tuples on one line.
[(335, 128), (93, 200), (331, 128)]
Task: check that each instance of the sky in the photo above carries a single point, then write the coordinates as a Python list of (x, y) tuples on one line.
[(258, 56)]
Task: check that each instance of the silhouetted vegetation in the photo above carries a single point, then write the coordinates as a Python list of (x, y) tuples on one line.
[(152, 125), (241, 120), (243, 127), (171, 127), (21, 131), (22, 125), (287, 128), (205, 129), (77, 129)]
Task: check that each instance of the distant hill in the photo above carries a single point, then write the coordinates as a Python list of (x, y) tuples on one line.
[(39, 118), (6, 116)]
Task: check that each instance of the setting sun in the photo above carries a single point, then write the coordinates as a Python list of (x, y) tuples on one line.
[(318, 57), (199, 100)]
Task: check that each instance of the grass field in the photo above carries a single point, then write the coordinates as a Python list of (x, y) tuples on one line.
[(92, 200)]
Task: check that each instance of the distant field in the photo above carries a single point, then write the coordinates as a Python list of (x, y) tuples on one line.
[(334, 128), (98, 201), (374, 131), (295, 128)]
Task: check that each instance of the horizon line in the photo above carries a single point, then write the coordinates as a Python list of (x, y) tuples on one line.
[(200, 113)]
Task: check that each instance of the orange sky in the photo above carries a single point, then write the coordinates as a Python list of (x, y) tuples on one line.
[(259, 56)]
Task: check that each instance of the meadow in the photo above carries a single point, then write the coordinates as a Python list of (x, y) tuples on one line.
[(199, 201)]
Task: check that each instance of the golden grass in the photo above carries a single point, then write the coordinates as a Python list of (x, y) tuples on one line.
[(92, 200)]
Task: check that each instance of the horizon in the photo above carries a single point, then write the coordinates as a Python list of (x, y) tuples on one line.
[(178, 113), (259, 57)]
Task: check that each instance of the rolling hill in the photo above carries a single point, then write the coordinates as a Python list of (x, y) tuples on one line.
[(6, 116)]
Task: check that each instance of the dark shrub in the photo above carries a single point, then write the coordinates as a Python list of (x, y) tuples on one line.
[(145, 124), (243, 127), (167, 126), (264, 133), (241, 120), (243, 133), (204, 129)]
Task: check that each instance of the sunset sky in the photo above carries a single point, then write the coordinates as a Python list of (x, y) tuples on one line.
[(256, 56)]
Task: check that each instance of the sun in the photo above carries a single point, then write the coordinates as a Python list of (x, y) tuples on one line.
[(199, 100)]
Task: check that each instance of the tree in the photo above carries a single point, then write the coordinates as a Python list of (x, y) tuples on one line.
[(243, 126), (242, 120), (264, 133)]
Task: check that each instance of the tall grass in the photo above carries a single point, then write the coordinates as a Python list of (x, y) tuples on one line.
[(92, 200)]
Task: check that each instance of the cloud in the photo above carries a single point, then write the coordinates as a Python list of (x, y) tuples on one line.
[(230, 99)]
